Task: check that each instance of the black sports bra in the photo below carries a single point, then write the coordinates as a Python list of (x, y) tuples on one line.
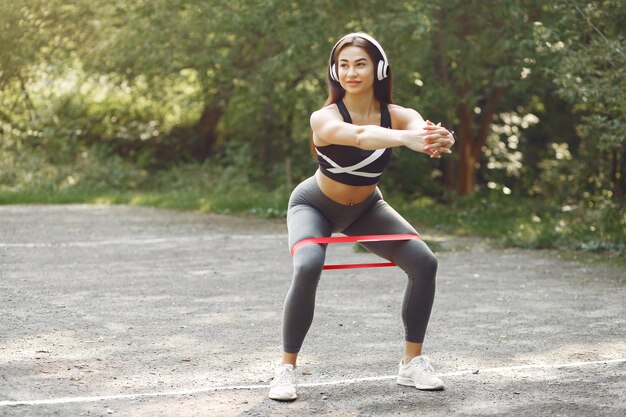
[(351, 165)]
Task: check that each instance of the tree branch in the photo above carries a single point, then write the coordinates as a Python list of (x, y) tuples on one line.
[(439, 50)]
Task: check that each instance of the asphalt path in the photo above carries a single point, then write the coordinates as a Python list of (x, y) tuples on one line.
[(130, 311)]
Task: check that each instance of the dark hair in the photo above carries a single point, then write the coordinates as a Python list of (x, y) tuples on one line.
[(382, 88)]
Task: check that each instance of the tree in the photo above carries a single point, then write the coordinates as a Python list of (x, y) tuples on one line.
[(476, 55), (586, 43), (34, 33)]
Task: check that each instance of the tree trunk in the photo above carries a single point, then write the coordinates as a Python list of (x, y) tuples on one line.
[(466, 171), (470, 144), (615, 182), (439, 51), (466, 178), (206, 126)]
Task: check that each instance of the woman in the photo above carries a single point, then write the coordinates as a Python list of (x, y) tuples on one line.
[(353, 137)]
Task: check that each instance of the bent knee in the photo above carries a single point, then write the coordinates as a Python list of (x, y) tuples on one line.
[(421, 262), (308, 262), (428, 260)]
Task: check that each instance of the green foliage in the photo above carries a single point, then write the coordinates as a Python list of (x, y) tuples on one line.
[(38, 33), (408, 175), (587, 63), (524, 222), (95, 177)]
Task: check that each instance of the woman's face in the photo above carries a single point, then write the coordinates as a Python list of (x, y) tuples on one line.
[(355, 69)]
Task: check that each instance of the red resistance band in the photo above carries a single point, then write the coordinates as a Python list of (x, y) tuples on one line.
[(351, 239)]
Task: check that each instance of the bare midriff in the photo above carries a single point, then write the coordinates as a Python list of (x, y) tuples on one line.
[(342, 193)]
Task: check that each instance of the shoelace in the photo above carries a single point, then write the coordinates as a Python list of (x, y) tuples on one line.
[(284, 377), (426, 366)]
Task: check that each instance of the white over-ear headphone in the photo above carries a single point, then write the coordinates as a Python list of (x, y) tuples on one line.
[(382, 68)]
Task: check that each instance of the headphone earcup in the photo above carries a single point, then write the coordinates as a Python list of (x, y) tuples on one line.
[(333, 73), (382, 70)]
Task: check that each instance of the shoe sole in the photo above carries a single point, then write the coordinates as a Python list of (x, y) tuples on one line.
[(283, 398), (408, 382)]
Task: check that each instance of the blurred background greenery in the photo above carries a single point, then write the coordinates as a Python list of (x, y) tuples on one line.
[(204, 105)]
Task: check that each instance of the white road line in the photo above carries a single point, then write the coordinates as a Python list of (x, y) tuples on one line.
[(139, 241), (67, 400)]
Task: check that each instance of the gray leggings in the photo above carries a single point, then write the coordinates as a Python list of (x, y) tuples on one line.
[(312, 214)]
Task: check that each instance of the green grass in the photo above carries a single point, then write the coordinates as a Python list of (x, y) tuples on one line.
[(238, 201)]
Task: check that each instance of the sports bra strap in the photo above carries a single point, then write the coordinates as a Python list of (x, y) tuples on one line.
[(344, 111), (385, 116)]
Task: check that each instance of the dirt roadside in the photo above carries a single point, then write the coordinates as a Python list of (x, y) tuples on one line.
[(129, 311)]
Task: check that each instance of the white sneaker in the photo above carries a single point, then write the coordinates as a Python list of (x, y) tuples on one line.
[(283, 387), (419, 374)]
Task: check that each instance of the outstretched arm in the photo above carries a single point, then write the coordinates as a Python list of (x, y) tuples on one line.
[(412, 132)]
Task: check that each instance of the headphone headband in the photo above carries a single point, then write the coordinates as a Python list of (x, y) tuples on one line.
[(382, 67)]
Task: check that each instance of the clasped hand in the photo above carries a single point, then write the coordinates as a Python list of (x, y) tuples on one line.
[(438, 140)]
